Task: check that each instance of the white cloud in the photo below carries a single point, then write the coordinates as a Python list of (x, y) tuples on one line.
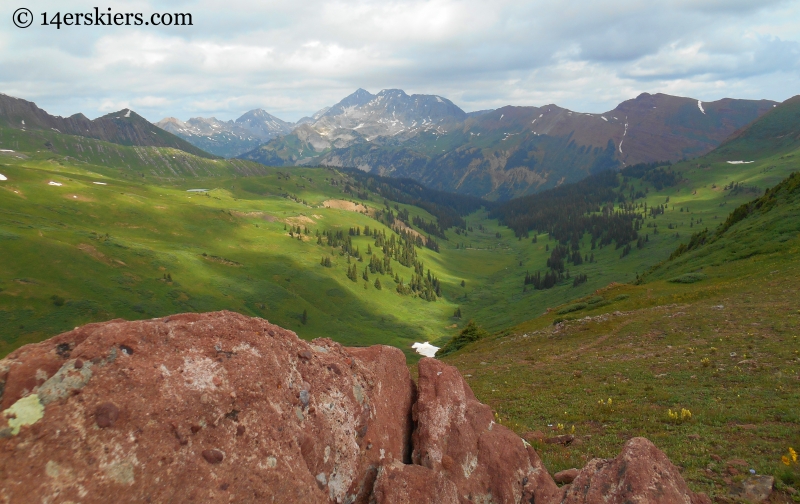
[(292, 58)]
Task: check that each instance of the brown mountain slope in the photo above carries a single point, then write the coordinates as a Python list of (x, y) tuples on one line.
[(124, 127)]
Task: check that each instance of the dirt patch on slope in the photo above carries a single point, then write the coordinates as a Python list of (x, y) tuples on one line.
[(299, 220), (345, 205)]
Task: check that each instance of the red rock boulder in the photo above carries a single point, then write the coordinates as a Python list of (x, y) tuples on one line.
[(456, 435), (640, 474), (212, 407)]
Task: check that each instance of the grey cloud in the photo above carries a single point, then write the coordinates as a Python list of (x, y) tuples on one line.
[(293, 58)]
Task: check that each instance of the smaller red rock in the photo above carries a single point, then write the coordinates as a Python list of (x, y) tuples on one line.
[(240, 430), (564, 439), (534, 436), (447, 462), (195, 429), (213, 456), (106, 414), (565, 477), (78, 364), (305, 355)]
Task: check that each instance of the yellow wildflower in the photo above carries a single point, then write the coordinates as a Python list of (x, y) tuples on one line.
[(785, 460), (793, 454)]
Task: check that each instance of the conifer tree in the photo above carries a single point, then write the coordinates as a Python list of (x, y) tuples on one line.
[(304, 318)]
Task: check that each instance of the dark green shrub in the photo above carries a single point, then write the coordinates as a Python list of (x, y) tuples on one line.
[(572, 308), (471, 332), (688, 278)]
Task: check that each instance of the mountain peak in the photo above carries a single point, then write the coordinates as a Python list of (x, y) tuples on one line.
[(360, 97), (386, 92), (258, 112), (125, 113)]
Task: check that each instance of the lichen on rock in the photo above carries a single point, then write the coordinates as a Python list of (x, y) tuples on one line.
[(26, 411)]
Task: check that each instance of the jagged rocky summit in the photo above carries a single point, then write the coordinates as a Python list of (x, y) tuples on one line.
[(219, 407)]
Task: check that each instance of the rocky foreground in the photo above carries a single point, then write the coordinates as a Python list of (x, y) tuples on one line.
[(219, 407)]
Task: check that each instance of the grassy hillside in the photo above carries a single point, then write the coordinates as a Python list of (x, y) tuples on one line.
[(140, 246), (776, 131)]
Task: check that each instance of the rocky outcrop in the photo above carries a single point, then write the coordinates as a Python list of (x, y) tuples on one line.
[(640, 474), (219, 407), (456, 435)]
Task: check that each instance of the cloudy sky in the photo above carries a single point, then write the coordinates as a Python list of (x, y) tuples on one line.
[(294, 57)]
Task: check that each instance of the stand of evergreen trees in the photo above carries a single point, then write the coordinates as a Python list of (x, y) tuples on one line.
[(400, 247), (659, 174)]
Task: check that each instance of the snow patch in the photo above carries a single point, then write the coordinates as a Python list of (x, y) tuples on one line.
[(603, 118), (501, 117), (3, 177), (740, 162), (6, 150), (99, 183), (623, 135), (55, 183), (425, 349), (128, 113), (439, 100), (700, 106)]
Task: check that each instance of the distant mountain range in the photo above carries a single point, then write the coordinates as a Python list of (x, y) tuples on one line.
[(360, 116), (228, 138), (507, 152), (124, 127), (495, 154)]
